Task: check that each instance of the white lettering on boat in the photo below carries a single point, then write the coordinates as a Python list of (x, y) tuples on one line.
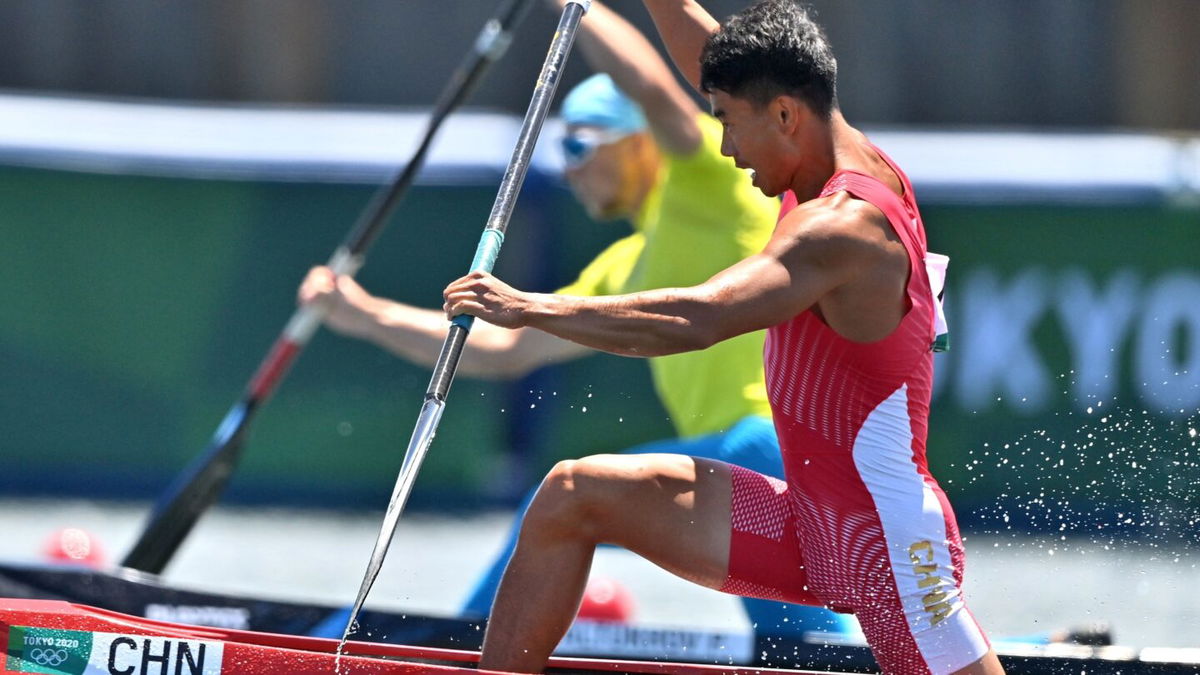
[(117, 654), (598, 638), (200, 615), (128, 656)]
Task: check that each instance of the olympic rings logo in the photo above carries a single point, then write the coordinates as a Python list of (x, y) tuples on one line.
[(48, 657)]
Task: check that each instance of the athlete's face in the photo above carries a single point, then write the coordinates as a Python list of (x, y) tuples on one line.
[(751, 139), (601, 170), (776, 140)]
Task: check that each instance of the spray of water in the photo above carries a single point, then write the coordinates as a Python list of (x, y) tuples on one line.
[(1121, 476), (351, 629)]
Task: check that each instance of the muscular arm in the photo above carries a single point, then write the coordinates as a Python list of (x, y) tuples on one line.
[(612, 45), (417, 334), (684, 26), (809, 256), (491, 352)]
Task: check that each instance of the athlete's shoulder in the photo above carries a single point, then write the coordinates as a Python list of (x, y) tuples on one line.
[(833, 230), (835, 215)]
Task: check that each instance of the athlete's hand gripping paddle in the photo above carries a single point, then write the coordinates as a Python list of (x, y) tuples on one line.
[(485, 257)]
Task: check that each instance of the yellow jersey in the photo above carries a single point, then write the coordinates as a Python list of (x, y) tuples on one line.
[(702, 216)]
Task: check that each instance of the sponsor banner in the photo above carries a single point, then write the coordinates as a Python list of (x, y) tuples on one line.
[(1070, 399), (1036, 341), (71, 652), (1074, 331)]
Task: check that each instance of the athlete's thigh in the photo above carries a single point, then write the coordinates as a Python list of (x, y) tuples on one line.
[(671, 509)]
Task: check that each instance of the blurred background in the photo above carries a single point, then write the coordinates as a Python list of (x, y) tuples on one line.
[(1061, 63), (169, 171)]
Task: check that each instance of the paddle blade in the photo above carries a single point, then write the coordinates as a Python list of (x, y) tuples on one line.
[(414, 455), (192, 493)]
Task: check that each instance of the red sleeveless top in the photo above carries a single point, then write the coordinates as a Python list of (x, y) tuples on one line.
[(875, 532), (822, 386)]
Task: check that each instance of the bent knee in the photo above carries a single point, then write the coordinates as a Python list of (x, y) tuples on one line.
[(558, 487), (576, 494), (580, 479)]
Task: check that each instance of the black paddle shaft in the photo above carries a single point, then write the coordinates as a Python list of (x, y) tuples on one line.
[(200, 484)]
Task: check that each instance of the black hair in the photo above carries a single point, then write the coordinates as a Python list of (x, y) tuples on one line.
[(772, 47)]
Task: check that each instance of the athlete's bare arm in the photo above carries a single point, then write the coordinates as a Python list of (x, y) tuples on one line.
[(417, 334), (612, 45), (684, 26), (828, 252)]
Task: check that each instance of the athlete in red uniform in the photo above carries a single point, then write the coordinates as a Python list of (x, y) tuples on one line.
[(860, 516), (859, 525)]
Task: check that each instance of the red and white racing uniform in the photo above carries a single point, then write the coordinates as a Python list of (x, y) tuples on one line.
[(860, 524)]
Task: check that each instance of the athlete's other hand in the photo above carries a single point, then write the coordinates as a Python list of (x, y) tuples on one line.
[(346, 305), (485, 297)]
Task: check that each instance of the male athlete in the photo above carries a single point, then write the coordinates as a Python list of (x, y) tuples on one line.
[(654, 158), (841, 287)]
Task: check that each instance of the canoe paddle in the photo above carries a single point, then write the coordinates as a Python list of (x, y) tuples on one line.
[(201, 483), (485, 258)]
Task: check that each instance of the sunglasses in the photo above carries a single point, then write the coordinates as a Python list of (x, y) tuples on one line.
[(580, 145)]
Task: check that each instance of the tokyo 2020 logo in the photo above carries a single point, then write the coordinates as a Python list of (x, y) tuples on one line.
[(48, 657)]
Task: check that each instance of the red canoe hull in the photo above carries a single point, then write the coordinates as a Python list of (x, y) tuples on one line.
[(60, 638)]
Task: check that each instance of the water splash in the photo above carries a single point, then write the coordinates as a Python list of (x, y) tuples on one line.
[(1122, 476), (351, 629)]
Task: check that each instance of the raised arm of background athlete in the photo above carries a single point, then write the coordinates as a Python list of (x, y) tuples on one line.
[(831, 252), (612, 45), (417, 334), (684, 27)]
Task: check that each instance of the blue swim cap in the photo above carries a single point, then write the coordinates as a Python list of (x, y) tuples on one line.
[(598, 102)]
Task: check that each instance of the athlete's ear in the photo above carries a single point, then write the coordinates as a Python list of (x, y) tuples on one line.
[(785, 112)]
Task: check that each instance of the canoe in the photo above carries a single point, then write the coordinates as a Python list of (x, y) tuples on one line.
[(56, 637), (144, 597)]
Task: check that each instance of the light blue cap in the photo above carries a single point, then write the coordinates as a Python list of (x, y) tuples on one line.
[(598, 102)]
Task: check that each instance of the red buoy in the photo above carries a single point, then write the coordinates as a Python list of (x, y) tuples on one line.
[(75, 546), (606, 599)]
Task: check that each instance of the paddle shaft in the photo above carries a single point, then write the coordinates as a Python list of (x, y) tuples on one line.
[(198, 487), (485, 258)]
